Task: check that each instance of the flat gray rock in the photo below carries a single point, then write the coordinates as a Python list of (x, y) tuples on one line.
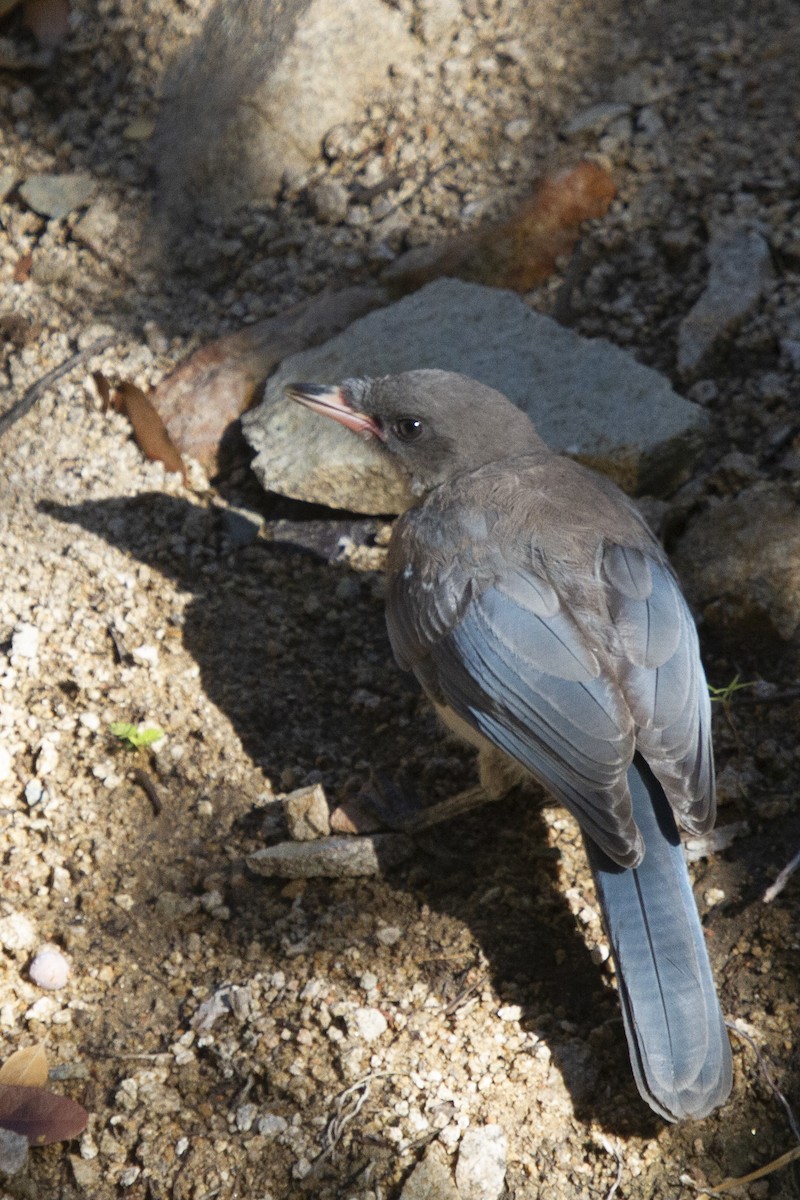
[(55, 196), (739, 266), (586, 397), (253, 97), (333, 857)]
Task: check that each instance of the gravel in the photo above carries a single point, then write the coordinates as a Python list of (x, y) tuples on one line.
[(257, 660)]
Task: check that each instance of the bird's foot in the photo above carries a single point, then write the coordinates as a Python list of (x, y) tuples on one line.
[(387, 805)]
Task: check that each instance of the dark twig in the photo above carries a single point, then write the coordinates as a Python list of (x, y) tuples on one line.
[(466, 992), (146, 784), (119, 650), (33, 393), (562, 305)]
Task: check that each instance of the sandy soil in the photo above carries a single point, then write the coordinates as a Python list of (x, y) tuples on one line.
[(268, 667)]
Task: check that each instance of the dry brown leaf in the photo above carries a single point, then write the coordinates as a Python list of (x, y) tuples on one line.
[(103, 390), (216, 384), (26, 1067), (48, 21), (40, 1116), (522, 251), (148, 428)]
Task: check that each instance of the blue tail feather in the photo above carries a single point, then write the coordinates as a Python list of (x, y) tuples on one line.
[(677, 1040)]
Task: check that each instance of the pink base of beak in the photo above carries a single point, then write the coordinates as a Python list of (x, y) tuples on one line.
[(330, 402)]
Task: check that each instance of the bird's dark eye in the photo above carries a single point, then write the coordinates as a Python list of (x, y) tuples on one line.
[(408, 429)]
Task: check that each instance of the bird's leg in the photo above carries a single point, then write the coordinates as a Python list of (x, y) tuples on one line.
[(388, 805), (498, 774), (385, 804), (446, 810)]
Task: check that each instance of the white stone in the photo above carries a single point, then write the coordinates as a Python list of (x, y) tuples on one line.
[(25, 641), (34, 791), (145, 654), (367, 1023), (49, 969), (481, 1166), (510, 1012), (17, 932), (46, 757), (6, 765)]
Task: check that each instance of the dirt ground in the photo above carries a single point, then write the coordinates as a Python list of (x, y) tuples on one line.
[(358, 1023)]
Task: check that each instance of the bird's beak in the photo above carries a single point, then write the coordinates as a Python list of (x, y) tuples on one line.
[(331, 402)]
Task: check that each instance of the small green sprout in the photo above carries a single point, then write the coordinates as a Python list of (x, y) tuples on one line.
[(724, 695), (135, 737)]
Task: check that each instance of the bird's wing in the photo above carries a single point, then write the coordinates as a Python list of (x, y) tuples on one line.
[(492, 639), (662, 677), (488, 632)]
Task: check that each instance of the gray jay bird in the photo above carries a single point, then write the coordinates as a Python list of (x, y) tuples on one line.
[(543, 620)]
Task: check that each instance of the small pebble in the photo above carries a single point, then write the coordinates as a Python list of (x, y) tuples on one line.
[(25, 641), (146, 655), (510, 1012), (330, 201), (13, 1151), (6, 765), (307, 813), (33, 792), (17, 932), (366, 1023), (245, 1117), (271, 1125), (49, 969), (46, 758), (518, 130)]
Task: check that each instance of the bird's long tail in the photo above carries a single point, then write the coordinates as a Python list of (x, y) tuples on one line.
[(677, 1040)]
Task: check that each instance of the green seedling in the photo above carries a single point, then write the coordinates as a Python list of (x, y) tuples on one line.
[(135, 737), (724, 695)]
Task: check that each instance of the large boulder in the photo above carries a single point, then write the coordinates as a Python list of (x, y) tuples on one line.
[(740, 564), (252, 99)]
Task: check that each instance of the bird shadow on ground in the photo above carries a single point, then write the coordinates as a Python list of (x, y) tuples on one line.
[(284, 639)]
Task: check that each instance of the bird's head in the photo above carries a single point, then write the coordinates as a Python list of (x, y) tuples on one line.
[(436, 424)]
